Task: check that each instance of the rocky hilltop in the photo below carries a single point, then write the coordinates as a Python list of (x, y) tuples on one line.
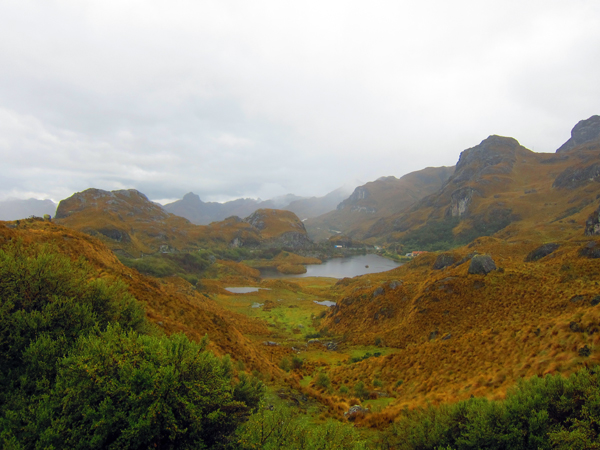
[(501, 185), (585, 131), (132, 225)]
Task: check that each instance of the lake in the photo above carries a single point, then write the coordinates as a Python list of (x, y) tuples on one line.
[(340, 267)]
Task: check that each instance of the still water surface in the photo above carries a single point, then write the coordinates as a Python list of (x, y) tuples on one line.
[(340, 267)]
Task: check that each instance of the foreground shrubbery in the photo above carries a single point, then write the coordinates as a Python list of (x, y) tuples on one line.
[(79, 367), (541, 413), (277, 426)]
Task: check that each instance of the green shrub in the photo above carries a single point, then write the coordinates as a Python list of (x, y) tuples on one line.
[(361, 391), (280, 426), (285, 365), (540, 413), (78, 369), (323, 381), (297, 363)]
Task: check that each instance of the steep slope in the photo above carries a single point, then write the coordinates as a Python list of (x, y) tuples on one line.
[(173, 305), (131, 225), (458, 333), (21, 209), (376, 200), (501, 185)]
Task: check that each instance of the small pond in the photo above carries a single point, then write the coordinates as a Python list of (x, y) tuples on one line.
[(325, 303), (243, 290), (340, 267)]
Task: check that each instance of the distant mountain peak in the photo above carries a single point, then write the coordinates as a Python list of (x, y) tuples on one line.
[(587, 130)]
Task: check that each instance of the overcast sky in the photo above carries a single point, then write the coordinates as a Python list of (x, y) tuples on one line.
[(260, 98)]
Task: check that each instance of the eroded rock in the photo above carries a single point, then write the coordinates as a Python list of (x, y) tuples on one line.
[(541, 252), (482, 265)]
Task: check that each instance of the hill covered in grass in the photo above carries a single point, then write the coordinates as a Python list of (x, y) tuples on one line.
[(131, 225), (376, 200)]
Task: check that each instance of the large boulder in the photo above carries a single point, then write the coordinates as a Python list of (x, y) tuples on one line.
[(444, 260), (541, 252), (482, 265)]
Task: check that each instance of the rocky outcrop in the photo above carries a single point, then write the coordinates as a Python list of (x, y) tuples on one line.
[(360, 193), (460, 201), (576, 176), (592, 224), (279, 229), (541, 252), (482, 265), (130, 200), (494, 155), (585, 131), (444, 260)]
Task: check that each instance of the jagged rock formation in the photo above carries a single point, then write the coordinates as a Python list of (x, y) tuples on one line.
[(585, 131), (592, 224)]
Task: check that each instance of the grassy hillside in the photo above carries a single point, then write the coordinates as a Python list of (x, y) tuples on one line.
[(376, 200)]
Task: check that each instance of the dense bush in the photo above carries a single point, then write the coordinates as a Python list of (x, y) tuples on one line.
[(540, 413), (278, 426), (79, 367)]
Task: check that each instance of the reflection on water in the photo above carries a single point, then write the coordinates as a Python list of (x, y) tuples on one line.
[(325, 303), (340, 267), (243, 290)]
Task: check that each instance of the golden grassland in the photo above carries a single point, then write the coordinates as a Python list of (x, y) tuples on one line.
[(413, 336), (173, 304)]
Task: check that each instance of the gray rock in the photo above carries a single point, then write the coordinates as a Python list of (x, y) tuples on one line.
[(355, 411), (377, 292), (482, 265), (590, 250), (592, 224), (585, 131), (271, 343), (394, 284), (574, 177), (448, 336), (443, 260), (541, 252)]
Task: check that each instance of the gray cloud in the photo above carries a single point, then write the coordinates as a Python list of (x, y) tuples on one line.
[(245, 99)]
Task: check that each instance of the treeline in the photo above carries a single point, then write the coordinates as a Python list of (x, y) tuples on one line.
[(81, 368)]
